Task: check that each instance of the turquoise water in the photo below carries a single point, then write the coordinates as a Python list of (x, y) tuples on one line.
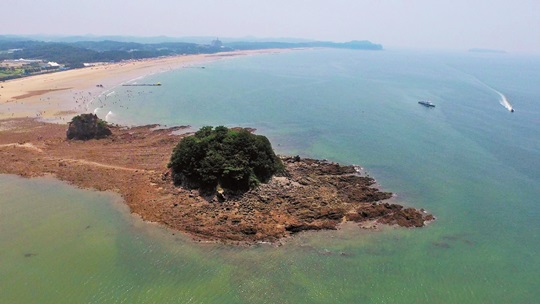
[(469, 161)]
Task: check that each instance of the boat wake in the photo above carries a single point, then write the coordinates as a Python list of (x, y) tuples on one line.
[(504, 102)]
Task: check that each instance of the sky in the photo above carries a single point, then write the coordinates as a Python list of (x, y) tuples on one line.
[(511, 25)]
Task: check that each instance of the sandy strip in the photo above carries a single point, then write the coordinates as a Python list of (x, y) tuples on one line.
[(96, 164), (37, 92), (28, 146), (52, 96)]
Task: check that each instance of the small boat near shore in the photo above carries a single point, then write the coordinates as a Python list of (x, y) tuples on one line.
[(426, 103)]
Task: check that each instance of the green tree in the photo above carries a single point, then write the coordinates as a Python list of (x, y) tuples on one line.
[(233, 159)]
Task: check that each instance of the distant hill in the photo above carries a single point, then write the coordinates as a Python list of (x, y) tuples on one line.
[(75, 54), (149, 39), (74, 51)]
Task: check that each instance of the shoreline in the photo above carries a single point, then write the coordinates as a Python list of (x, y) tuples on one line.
[(57, 97)]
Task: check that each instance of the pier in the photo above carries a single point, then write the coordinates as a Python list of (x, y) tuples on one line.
[(142, 85)]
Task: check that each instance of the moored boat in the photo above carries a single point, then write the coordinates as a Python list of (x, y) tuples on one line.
[(427, 103)]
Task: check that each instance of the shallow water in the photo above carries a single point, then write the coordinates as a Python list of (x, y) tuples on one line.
[(469, 161)]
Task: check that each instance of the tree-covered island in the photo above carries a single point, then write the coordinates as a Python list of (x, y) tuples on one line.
[(222, 158)]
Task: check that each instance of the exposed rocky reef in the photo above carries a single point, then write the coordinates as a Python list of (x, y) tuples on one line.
[(308, 195)]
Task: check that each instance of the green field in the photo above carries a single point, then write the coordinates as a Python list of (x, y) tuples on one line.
[(8, 73)]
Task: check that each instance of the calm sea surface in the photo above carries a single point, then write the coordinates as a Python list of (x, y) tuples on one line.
[(469, 161)]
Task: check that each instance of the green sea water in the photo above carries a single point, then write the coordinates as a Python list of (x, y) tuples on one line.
[(469, 161)]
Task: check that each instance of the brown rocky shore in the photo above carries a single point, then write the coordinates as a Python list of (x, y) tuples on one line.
[(309, 195)]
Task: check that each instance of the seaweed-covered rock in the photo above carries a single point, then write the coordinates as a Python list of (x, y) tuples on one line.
[(87, 126)]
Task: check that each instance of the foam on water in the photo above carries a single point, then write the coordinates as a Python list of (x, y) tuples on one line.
[(109, 116)]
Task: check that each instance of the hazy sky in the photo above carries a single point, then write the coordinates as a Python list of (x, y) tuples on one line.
[(512, 25)]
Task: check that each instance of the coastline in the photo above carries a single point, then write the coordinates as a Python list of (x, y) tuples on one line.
[(56, 97), (33, 144)]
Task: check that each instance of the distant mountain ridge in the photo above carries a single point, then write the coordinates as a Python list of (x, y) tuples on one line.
[(148, 39), (73, 53)]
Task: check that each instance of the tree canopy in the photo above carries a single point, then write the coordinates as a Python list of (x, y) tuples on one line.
[(233, 159), (87, 126)]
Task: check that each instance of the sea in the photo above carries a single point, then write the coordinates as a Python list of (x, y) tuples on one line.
[(470, 161)]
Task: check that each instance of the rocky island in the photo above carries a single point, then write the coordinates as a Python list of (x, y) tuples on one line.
[(276, 198)]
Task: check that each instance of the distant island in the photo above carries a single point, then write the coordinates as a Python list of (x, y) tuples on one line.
[(20, 56), (480, 50)]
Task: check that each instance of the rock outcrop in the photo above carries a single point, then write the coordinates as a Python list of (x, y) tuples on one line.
[(309, 194), (87, 126)]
